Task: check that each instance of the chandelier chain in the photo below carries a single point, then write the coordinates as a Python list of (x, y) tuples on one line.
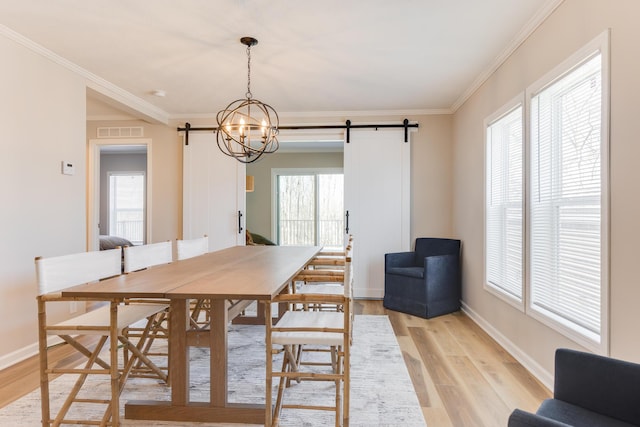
[(248, 94)]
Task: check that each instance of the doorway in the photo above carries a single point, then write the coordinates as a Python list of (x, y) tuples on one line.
[(310, 207), (119, 175)]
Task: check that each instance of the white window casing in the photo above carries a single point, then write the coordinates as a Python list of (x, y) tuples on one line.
[(567, 223), (504, 197)]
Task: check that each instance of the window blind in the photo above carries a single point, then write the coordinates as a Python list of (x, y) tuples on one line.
[(504, 194), (565, 200)]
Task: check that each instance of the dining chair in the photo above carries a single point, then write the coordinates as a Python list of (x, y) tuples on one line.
[(324, 274), (145, 256), (107, 323), (138, 258), (190, 248), (319, 330)]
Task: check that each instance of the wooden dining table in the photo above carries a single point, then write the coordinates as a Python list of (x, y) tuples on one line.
[(237, 273)]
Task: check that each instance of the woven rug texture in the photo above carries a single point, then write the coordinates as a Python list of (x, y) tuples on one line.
[(381, 391)]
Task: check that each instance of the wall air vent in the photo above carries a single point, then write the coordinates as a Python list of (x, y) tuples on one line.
[(121, 132)]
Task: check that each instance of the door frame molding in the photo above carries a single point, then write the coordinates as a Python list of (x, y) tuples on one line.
[(93, 186)]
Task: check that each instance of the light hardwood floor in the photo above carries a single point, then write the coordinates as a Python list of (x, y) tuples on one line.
[(462, 377)]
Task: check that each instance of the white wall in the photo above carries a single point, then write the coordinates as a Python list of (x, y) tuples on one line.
[(572, 25), (42, 117)]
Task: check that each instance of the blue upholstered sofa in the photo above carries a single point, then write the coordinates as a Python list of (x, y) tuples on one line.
[(589, 391), (425, 282)]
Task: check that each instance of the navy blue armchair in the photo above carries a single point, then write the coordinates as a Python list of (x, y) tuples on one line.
[(589, 391), (425, 282)]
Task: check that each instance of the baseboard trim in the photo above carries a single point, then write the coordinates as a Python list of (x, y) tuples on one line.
[(373, 294), (24, 353), (544, 376)]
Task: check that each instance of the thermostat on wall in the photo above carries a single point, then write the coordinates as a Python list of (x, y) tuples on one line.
[(67, 168)]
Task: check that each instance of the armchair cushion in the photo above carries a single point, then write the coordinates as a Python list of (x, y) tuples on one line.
[(575, 415), (520, 418), (407, 271)]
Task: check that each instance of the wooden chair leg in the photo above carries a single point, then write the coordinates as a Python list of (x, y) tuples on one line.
[(115, 374), (44, 364), (346, 383), (338, 414), (143, 367), (282, 384), (84, 373)]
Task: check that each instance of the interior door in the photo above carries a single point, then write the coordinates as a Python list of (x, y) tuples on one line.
[(213, 193), (377, 189)]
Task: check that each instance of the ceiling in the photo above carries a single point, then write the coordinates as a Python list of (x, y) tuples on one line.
[(312, 57)]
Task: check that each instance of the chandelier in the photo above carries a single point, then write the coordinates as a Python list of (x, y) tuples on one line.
[(247, 128)]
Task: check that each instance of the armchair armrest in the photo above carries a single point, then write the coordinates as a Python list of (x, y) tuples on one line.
[(442, 268), (519, 418), (442, 275), (399, 260), (601, 384)]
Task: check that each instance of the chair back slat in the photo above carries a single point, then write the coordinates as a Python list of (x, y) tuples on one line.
[(56, 273), (348, 272), (190, 248), (145, 256)]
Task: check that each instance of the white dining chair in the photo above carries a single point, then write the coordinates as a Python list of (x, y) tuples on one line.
[(190, 248), (138, 258), (145, 256), (106, 322)]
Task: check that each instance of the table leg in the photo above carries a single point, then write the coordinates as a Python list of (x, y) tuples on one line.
[(218, 409), (269, 367), (179, 351), (218, 345)]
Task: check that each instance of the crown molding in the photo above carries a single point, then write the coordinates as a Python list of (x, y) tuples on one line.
[(366, 113), (137, 106), (331, 114), (545, 11)]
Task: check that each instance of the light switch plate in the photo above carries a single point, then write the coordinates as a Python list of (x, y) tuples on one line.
[(67, 168)]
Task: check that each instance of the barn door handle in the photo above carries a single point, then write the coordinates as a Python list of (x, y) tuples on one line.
[(346, 229), (239, 222)]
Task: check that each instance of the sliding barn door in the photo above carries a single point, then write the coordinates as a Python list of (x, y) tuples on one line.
[(376, 179), (213, 193)]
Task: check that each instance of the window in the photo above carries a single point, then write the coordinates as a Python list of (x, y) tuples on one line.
[(560, 226), (504, 200), (566, 200), (126, 206), (310, 208)]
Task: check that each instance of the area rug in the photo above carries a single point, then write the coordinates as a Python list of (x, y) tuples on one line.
[(381, 391)]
